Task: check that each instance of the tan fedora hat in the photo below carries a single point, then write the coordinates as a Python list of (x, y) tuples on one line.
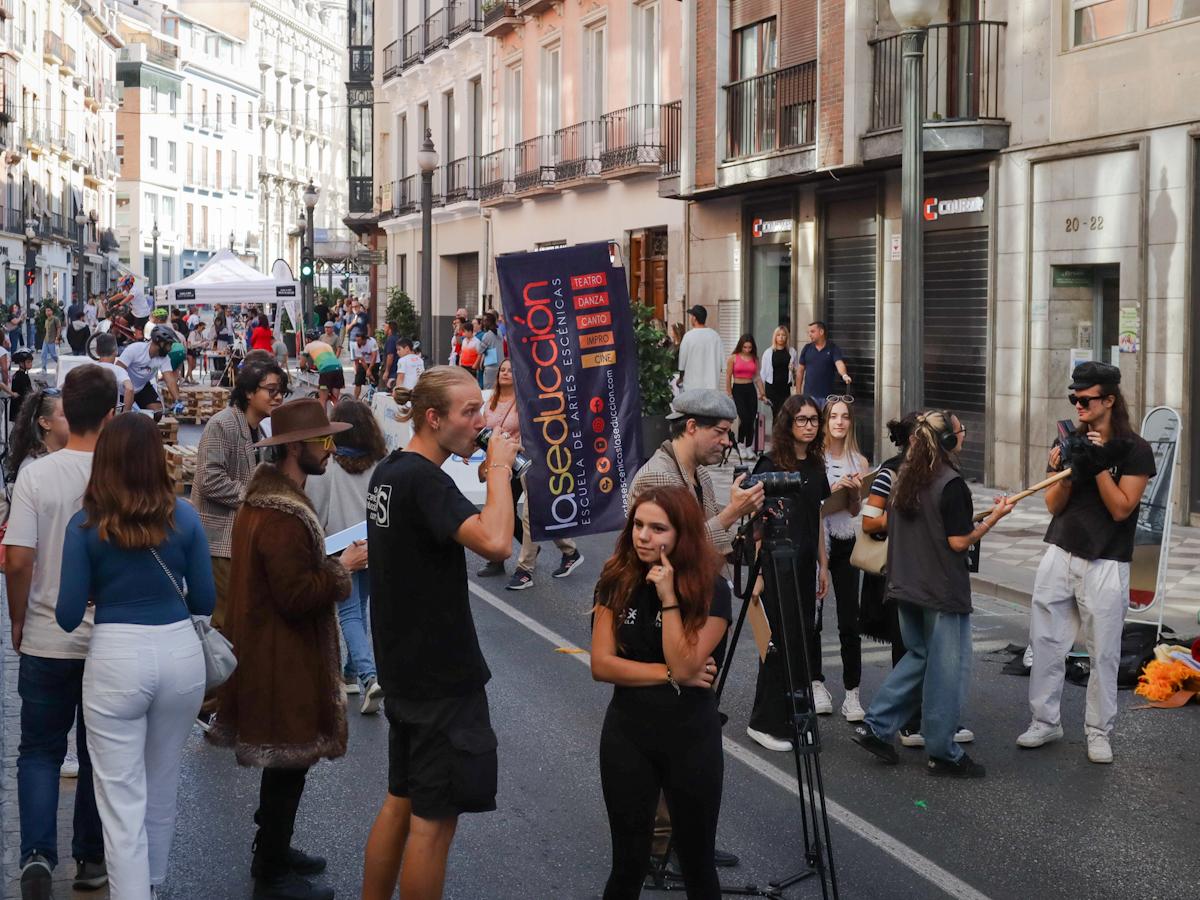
[(298, 420)]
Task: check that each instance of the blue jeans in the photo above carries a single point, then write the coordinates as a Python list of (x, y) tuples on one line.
[(51, 702), (352, 614), (49, 351), (933, 676)]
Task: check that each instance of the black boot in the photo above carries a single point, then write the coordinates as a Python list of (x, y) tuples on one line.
[(294, 861), (289, 886)]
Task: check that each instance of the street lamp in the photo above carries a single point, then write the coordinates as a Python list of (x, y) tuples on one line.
[(30, 260), (914, 17), (155, 234), (80, 223), (427, 160), (310, 201)]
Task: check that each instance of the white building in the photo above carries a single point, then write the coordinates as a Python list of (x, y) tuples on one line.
[(57, 134)]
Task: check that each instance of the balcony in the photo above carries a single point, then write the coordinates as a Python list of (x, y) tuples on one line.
[(632, 140), (672, 124), (772, 112), (533, 165), (462, 17), (14, 221), (8, 107), (15, 43), (577, 151), (360, 194), (52, 48), (495, 175), (460, 180), (962, 77), (362, 66), (391, 60), (67, 66), (435, 31), (534, 7), (500, 18), (406, 195), (155, 50), (266, 111), (411, 47)]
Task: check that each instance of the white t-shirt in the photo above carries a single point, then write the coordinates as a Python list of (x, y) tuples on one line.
[(408, 370), (141, 365), (140, 304), (702, 359), (48, 492), (370, 346), (122, 376), (841, 524)]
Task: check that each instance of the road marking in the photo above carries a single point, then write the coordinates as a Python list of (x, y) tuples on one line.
[(922, 865)]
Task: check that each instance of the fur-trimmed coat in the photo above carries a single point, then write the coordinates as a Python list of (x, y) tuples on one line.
[(283, 706)]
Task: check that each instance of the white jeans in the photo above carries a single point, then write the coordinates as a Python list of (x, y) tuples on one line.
[(142, 688), (1073, 594)]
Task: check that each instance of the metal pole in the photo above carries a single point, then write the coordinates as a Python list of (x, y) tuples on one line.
[(79, 274), (912, 180), (312, 245), (427, 262)]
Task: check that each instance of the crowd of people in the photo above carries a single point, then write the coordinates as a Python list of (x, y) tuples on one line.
[(106, 569)]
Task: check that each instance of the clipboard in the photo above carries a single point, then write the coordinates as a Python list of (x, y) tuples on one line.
[(336, 543), (839, 500)]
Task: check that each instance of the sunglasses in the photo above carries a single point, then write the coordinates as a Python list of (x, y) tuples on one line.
[(1076, 400), (807, 421), (325, 441), (838, 398)]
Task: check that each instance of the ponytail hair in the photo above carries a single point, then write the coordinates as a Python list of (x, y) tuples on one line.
[(432, 391), (924, 457)]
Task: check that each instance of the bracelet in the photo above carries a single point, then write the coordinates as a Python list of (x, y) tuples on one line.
[(492, 468), (671, 681), (668, 608)]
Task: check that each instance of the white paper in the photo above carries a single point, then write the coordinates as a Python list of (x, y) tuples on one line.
[(336, 543)]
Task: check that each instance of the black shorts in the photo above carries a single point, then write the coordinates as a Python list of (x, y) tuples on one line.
[(332, 380), (361, 375), (442, 755), (147, 396)]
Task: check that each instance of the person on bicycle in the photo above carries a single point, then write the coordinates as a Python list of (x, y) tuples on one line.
[(146, 358)]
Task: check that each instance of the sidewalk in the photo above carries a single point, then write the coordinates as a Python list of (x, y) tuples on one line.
[(1012, 551)]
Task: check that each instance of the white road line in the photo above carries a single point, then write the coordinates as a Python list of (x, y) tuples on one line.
[(918, 863)]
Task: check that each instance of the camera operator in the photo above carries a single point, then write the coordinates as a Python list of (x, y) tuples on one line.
[(796, 446), (701, 420), (441, 747), (658, 635), (1083, 580), (930, 529)]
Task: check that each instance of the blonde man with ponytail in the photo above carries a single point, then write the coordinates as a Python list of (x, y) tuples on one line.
[(426, 650), (930, 528)]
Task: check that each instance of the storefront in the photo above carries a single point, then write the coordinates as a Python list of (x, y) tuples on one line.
[(768, 278)]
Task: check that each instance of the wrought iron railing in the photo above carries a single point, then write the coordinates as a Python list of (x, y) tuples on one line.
[(577, 151), (462, 16), (962, 74), (533, 163), (14, 220), (411, 47), (460, 179), (632, 137), (495, 171), (505, 9), (361, 190), (672, 120), (771, 112), (435, 31)]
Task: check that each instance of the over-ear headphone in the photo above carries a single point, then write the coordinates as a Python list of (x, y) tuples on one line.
[(945, 436)]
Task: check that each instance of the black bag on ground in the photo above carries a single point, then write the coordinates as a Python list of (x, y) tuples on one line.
[(1138, 640)]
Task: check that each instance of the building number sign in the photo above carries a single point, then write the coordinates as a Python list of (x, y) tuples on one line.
[(1090, 223)]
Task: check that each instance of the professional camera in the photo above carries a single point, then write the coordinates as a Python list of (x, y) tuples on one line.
[(776, 484), (1070, 443)]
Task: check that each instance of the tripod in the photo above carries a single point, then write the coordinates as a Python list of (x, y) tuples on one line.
[(777, 562)]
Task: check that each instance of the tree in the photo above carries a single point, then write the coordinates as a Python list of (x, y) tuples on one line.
[(656, 362), (401, 311)]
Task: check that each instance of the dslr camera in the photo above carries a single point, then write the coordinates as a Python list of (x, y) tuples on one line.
[(775, 484)]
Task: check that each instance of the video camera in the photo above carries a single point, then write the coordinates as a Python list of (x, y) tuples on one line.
[(775, 484)]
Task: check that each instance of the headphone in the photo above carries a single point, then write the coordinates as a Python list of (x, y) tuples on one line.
[(946, 437)]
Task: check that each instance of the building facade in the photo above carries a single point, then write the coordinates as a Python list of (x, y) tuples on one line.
[(57, 130), (1058, 219)]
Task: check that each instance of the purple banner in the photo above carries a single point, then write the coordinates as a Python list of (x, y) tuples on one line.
[(570, 337)]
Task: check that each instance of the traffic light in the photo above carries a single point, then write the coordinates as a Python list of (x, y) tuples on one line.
[(306, 267), (30, 277)]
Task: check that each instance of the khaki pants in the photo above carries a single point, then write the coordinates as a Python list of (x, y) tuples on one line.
[(529, 547)]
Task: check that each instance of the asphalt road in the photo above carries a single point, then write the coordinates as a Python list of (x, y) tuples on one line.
[(1043, 823)]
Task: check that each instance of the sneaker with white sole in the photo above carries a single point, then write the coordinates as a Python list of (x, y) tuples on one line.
[(910, 738), (1038, 734), (1099, 749), (350, 684), (769, 741), (852, 707), (70, 765), (89, 875), (519, 581), (372, 697), (570, 561), (36, 879), (963, 735), (822, 699)]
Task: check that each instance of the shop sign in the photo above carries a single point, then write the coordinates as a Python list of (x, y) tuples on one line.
[(1072, 276), (935, 208), (760, 227)]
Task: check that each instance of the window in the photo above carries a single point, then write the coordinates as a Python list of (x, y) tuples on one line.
[(402, 270), (191, 159), (422, 121), (153, 99), (1097, 20), (645, 53), (476, 117), (173, 101), (249, 172), (218, 117), (233, 110), (249, 115), (190, 97), (551, 89), (402, 146), (168, 212), (154, 153), (217, 171), (152, 206), (448, 136), (1161, 12), (190, 213), (171, 155), (513, 130), (594, 72), (233, 169), (755, 50)]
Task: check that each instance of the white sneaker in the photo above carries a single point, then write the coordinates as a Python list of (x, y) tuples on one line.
[(372, 697), (1099, 749), (852, 707), (822, 699), (769, 742), (70, 766), (963, 735), (1039, 733), (911, 738), (1027, 657)]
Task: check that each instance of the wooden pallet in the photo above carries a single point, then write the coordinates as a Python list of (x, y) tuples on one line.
[(168, 428), (181, 466)]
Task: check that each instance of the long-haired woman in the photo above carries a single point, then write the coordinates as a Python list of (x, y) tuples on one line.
[(845, 467), (40, 428), (778, 370), (930, 529), (339, 495), (139, 552), (743, 383), (658, 635), (796, 446)]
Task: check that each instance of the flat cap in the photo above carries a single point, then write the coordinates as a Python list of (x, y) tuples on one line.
[(705, 403), (1091, 373)]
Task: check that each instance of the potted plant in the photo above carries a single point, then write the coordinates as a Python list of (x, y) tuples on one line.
[(656, 367)]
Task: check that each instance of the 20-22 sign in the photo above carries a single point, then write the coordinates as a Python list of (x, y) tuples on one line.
[(1092, 223)]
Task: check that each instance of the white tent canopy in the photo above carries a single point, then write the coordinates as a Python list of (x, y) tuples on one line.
[(226, 279)]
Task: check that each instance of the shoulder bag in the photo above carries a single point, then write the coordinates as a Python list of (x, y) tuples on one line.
[(870, 552), (219, 658)]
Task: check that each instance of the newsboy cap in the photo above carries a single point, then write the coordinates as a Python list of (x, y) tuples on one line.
[(704, 403), (1091, 373)]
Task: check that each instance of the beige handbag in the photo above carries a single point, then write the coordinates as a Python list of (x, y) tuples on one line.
[(869, 553)]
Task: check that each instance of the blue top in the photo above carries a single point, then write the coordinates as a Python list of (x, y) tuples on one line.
[(128, 586), (820, 370)]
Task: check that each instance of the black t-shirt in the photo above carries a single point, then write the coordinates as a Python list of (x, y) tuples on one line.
[(639, 636), (424, 636), (781, 361), (957, 508), (805, 519), (22, 385), (1085, 528)]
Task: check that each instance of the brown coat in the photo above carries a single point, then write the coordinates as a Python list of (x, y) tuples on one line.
[(283, 707)]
